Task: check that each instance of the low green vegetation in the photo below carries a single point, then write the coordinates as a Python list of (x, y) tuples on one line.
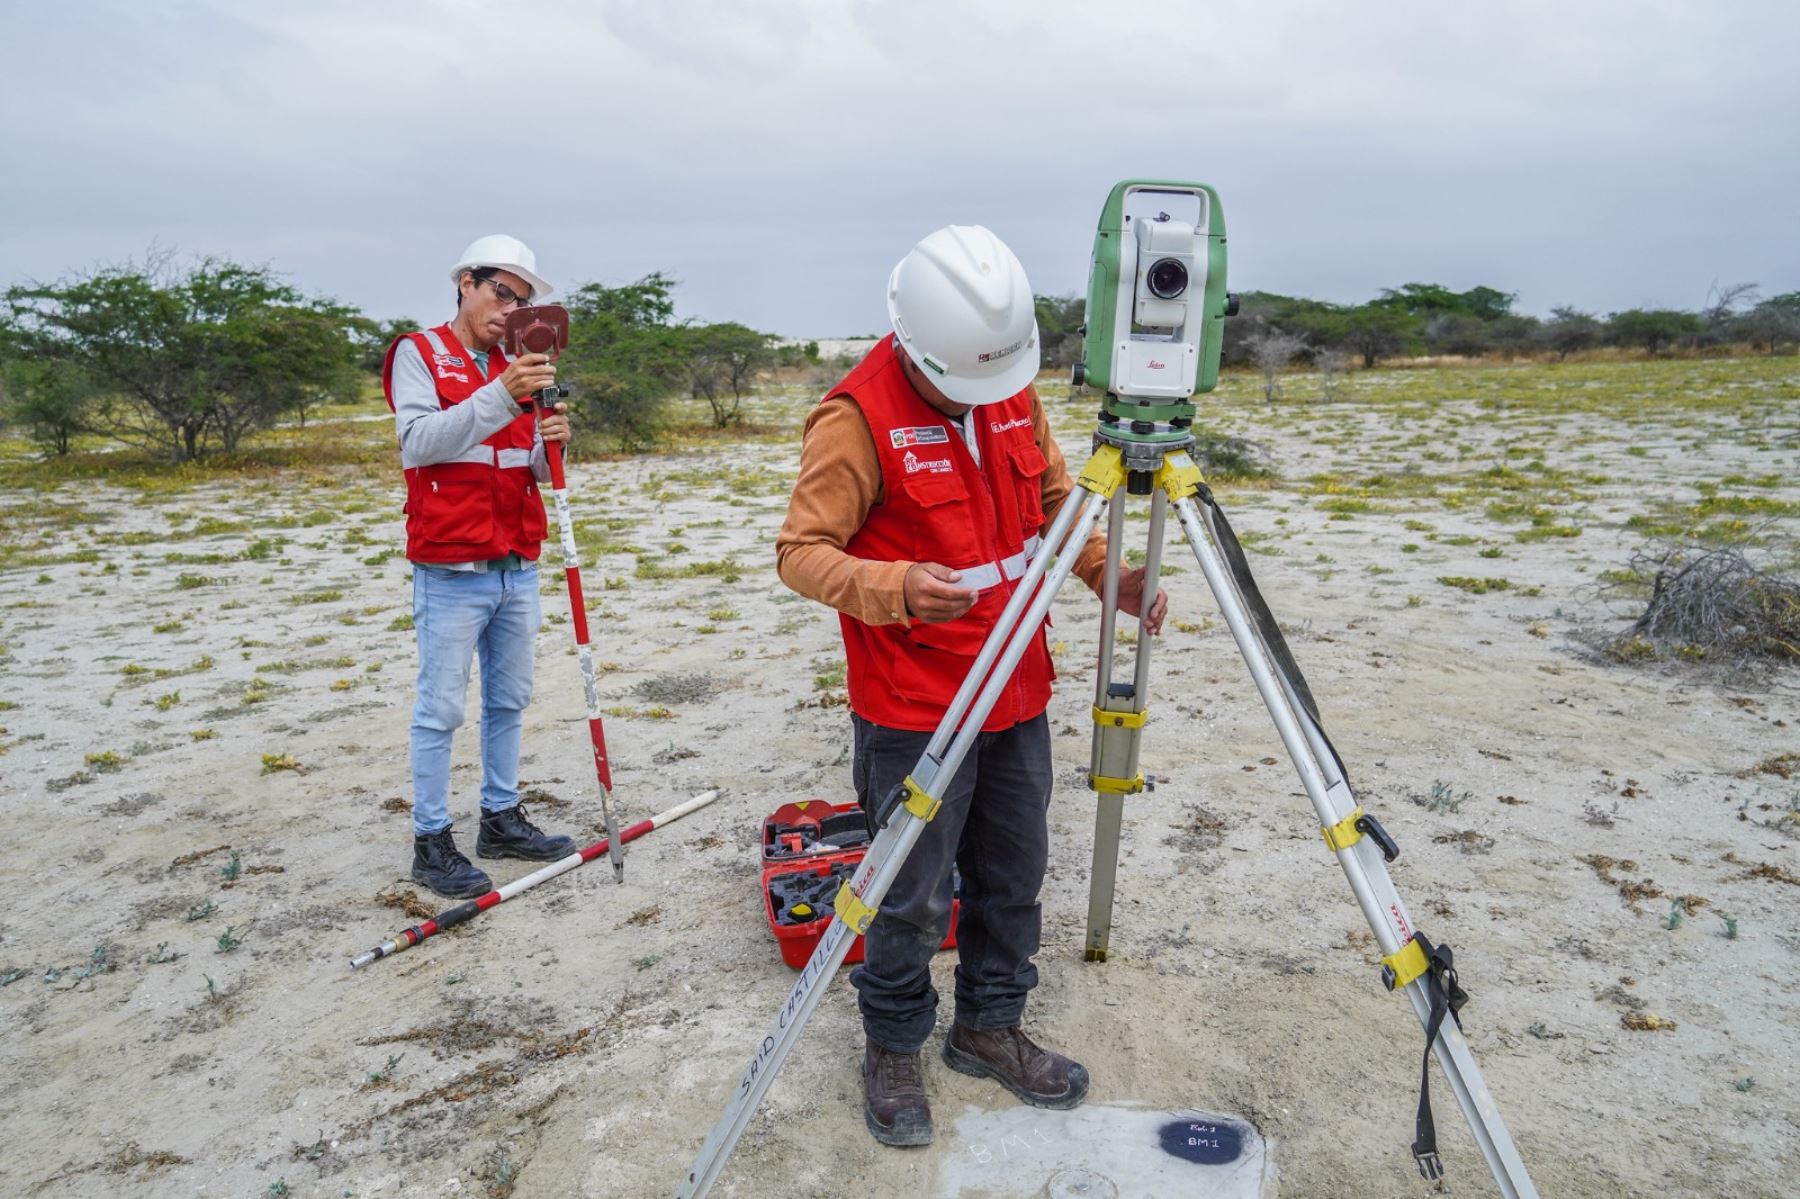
[(1475, 586)]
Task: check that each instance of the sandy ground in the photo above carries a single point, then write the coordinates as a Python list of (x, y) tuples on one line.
[(580, 1040)]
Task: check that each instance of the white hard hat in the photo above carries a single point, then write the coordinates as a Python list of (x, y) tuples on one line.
[(507, 254), (963, 310)]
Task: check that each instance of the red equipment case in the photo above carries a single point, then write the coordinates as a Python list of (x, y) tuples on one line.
[(792, 845)]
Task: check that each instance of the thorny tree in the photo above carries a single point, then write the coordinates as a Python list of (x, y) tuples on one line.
[(188, 362)]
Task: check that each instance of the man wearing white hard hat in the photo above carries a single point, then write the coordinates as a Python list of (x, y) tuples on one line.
[(927, 476), (473, 459)]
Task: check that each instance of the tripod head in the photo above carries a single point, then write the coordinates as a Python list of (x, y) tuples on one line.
[(1156, 308), (540, 329)]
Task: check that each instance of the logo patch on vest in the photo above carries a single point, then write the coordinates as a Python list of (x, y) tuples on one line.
[(1017, 422), (913, 466), (919, 435), (448, 360), (444, 373)]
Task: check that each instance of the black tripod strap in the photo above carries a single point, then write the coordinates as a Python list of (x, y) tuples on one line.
[(1268, 629), (1447, 998)]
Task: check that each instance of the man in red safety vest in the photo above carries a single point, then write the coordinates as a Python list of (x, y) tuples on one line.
[(473, 460), (927, 477)]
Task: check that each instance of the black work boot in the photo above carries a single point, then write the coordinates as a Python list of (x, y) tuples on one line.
[(509, 834), (1006, 1055), (438, 864), (895, 1108)]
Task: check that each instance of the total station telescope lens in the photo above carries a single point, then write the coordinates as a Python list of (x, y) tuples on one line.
[(1167, 278)]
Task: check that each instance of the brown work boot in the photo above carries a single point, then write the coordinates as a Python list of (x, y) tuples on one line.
[(896, 1110), (1008, 1056)]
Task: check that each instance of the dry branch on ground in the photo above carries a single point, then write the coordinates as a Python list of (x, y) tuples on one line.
[(1712, 606)]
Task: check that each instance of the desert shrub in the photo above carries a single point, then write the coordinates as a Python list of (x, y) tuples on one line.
[(1706, 605)]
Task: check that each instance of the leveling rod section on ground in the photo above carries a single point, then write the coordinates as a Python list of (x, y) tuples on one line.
[(407, 938), (902, 819)]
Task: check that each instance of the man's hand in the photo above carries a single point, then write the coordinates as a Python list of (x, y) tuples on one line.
[(555, 424), (1131, 601), (931, 594), (528, 373)]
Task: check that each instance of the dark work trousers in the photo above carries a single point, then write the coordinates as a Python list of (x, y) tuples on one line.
[(993, 827)]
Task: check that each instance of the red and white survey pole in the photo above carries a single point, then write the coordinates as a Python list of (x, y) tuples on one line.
[(407, 938), (544, 329), (590, 681)]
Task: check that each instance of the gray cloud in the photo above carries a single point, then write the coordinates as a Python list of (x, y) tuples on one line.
[(778, 156)]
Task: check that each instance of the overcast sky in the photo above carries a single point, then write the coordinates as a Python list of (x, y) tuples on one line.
[(778, 156)]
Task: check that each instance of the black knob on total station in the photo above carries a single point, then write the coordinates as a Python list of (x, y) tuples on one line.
[(1143, 426), (1233, 302), (1078, 374)]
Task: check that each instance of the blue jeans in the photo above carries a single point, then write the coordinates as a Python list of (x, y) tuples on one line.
[(455, 614)]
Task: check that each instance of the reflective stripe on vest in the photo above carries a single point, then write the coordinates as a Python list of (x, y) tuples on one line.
[(989, 574)]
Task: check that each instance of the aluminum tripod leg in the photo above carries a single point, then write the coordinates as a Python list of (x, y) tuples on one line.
[(1363, 863), (1118, 722), (859, 899)]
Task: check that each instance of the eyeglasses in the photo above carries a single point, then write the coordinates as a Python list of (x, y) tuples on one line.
[(502, 292)]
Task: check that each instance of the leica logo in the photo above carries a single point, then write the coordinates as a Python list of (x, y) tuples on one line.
[(1154, 365)]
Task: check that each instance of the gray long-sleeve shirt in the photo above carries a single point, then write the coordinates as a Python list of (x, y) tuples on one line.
[(431, 434)]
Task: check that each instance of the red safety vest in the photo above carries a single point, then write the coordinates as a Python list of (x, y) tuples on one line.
[(470, 511), (939, 506)]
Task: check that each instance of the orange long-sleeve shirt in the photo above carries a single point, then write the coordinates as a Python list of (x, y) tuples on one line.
[(840, 480)]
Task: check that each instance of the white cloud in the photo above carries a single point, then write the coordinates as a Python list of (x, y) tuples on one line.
[(740, 39), (778, 155)]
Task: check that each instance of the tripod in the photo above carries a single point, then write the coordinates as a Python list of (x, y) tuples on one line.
[(1147, 457)]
